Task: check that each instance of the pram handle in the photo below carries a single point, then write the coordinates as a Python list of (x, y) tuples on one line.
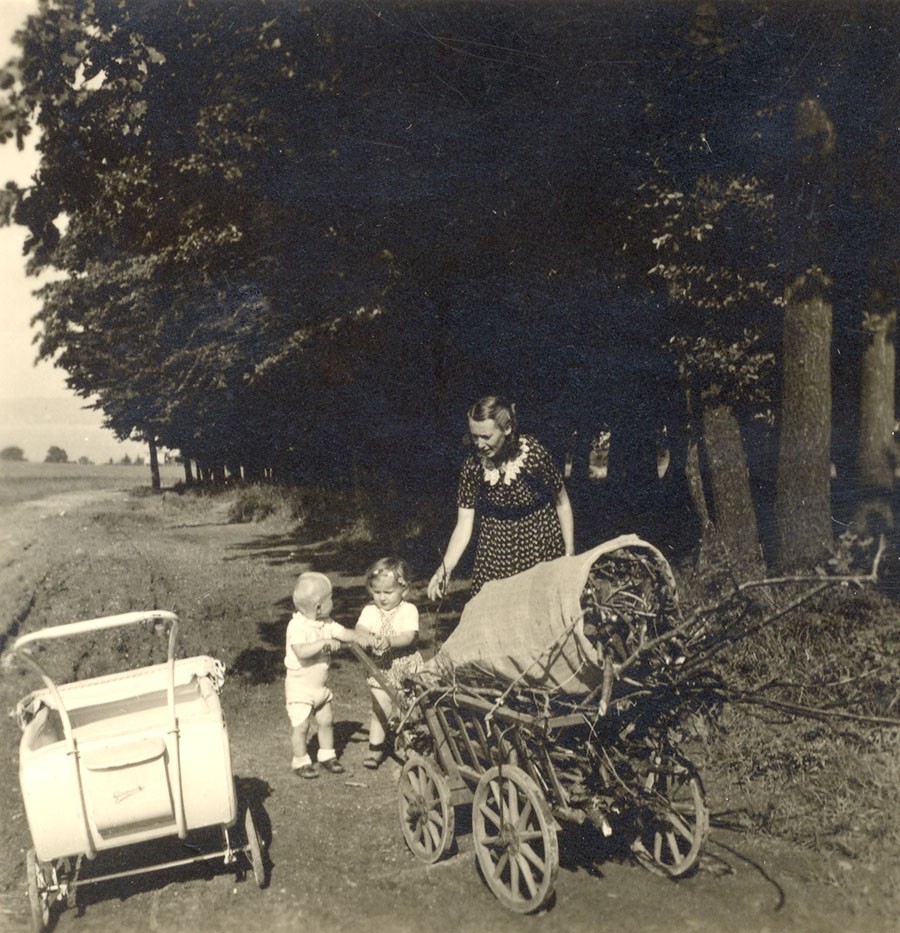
[(95, 625)]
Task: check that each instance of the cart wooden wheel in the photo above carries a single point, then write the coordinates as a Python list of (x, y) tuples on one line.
[(674, 821), (427, 818), (515, 839), (256, 856), (38, 893)]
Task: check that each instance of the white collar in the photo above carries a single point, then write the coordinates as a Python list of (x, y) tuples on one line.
[(511, 468)]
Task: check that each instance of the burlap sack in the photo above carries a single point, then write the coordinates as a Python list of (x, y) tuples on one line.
[(529, 627)]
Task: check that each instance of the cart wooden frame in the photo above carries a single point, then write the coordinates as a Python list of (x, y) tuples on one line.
[(528, 774)]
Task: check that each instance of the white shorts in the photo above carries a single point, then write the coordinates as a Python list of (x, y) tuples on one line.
[(302, 699)]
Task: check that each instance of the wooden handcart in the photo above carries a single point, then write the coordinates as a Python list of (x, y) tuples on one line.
[(532, 763)]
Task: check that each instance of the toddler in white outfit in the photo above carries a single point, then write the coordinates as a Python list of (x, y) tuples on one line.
[(310, 640)]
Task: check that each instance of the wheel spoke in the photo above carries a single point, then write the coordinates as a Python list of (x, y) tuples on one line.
[(527, 852), (487, 811), (525, 815), (502, 862), (526, 873), (673, 847), (687, 832), (513, 876), (513, 802)]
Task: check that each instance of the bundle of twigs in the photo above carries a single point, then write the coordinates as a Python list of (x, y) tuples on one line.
[(628, 603), (629, 615), (654, 656), (674, 655)]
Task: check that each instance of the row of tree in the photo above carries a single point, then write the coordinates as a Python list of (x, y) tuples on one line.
[(58, 455), (296, 241)]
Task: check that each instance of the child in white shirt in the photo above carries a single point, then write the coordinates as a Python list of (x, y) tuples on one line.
[(393, 624), (311, 638)]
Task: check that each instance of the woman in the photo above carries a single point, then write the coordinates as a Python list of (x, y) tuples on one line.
[(511, 482)]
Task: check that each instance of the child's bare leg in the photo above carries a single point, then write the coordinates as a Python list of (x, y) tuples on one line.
[(378, 727), (325, 721), (381, 711), (298, 740), (301, 763), (327, 757)]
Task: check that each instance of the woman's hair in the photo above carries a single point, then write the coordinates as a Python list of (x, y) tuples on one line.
[(503, 414), (389, 566)]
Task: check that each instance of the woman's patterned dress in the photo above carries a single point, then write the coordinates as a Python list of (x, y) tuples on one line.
[(516, 508)]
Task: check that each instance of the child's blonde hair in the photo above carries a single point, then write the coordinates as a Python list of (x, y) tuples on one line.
[(310, 591), (389, 566)]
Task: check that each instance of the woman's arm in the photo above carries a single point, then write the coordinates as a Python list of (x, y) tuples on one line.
[(456, 547), (566, 519)]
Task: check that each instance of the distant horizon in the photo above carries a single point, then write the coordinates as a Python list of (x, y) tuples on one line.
[(37, 423)]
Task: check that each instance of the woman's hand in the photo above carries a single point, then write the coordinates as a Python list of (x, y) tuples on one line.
[(437, 585), (456, 546)]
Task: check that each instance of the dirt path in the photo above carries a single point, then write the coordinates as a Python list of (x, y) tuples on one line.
[(337, 860)]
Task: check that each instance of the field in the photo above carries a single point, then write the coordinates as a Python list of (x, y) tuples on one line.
[(336, 856), (22, 481)]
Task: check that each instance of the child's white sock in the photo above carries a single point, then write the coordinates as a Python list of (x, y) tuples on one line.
[(326, 754), (300, 762)]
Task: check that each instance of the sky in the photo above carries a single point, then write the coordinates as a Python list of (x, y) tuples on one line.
[(36, 409)]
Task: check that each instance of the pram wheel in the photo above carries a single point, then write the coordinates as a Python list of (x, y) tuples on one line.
[(38, 892), (256, 856)]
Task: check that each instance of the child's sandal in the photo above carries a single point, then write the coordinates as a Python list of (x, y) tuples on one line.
[(374, 758)]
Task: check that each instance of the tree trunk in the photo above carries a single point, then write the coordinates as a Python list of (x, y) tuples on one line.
[(188, 472), (155, 483), (732, 534), (875, 453), (803, 483)]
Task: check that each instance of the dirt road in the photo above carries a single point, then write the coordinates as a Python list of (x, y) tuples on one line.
[(337, 861)]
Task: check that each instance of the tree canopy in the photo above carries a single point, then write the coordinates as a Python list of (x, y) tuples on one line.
[(303, 237)]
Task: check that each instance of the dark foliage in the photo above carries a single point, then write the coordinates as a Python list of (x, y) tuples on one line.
[(299, 239)]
